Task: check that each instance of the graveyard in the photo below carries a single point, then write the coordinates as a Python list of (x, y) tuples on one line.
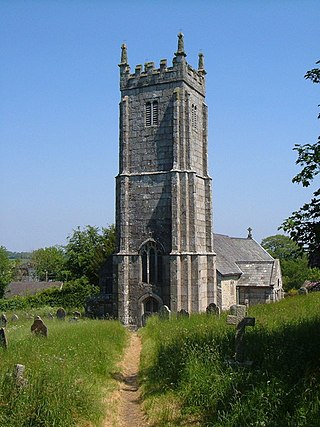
[(251, 366)]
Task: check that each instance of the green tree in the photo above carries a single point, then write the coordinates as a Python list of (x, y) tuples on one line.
[(49, 263), (87, 250), (6, 270), (296, 271), (303, 225), (281, 247)]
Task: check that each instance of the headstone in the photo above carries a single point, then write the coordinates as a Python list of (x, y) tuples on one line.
[(38, 327), (145, 317), (14, 318), (50, 316), (61, 313), (77, 314), (18, 375), (303, 291), (73, 319), (213, 309), (241, 321), (182, 314), (3, 320), (3, 338), (164, 313)]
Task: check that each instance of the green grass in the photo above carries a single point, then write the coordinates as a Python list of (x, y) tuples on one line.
[(68, 373), (187, 379)]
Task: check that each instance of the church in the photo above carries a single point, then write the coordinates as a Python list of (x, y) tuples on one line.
[(167, 253)]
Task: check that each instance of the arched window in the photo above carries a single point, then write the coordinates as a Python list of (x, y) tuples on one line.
[(151, 263), (152, 113)]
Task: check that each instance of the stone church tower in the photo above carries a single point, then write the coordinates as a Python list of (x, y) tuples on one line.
[(163, 191)]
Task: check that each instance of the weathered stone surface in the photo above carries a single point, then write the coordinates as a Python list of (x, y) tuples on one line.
[(38, 327), (182, 314), (3, 320), (3, 338), (61, 313), (18, 375), (239, 319), (14, 318), (164, 313), (213, 309)]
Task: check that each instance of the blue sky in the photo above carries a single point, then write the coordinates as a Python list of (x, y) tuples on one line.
[(59, 95)]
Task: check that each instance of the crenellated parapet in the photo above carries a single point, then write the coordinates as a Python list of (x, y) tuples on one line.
[(149, 75)]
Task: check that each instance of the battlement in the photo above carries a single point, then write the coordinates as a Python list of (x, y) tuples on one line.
[(150, 75)]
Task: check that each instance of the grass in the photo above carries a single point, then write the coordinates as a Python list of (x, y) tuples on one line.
[(68, 374), (187, 379)]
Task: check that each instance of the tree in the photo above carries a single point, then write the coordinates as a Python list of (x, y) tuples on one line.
[(281, 247), (49, 263), (303, 225), (87, 250), (6, 270)]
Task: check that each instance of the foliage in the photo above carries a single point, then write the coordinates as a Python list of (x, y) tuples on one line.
[(49, 263), (6, 270), (187, 379), (72, 295), (281, 247), (296, 271), (23, 256), (303, 225), (68, 373), (87, 250)]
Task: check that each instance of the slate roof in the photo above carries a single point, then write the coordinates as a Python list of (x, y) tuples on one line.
[(243, 257), (29, 288)]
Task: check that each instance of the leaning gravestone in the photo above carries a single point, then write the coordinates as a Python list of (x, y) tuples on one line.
[(239, 319), (38, 327), (303, 291), (14, 318), (3, 338), (3, 320), (61, 313), (182, 314), (213, 309), (164, 313), (50, 316)]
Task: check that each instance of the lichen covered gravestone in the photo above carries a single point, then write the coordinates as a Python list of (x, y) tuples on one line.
[(145, 317), (3, 320), (38, 327), (182, 314), (213, 309), (238, 318)]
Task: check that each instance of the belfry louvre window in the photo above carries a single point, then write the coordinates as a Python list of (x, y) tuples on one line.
[(151, 263), (152, 113)]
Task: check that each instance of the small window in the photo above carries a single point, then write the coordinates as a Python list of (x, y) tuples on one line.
[(194, 117), (152, 114)]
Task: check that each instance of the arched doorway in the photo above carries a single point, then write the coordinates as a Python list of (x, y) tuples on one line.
[(149, 304)]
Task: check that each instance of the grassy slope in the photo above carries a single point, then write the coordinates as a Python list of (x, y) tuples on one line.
[(68, 373), (187, 380)]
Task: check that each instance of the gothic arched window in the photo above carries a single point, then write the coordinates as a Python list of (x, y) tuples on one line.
[(151, 263)]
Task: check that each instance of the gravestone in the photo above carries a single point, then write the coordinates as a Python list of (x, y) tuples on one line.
[(50, 316), (3, 338), (145, 317), (14, 318), (3, 320), (38, 327), (303, 291), (77, 314), (61, 313), (18, 375), (213, 309), (164, 313), (239, 319), (182, 314)]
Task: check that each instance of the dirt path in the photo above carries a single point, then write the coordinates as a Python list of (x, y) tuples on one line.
[(126, 400)]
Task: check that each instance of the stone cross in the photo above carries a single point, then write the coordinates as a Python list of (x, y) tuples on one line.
[(164, 313), (39, 328), (3, 338), (239, 319)]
